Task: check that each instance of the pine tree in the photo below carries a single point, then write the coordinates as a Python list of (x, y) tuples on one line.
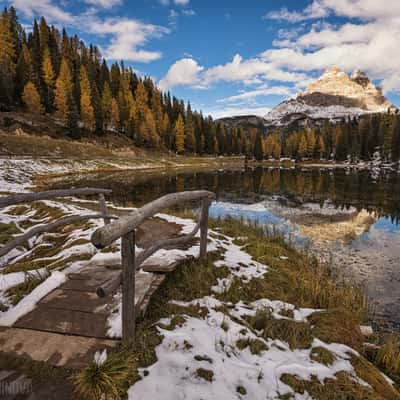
[(179, 132), (258, 147), (87, 111), (48, 77), (302, 150), (311, 141), (106, 104), (166, 131), (396, 138), (24, 69), (190, 140), (141, 99), (31, 99), (7, 59), (114, 117), (63, 94), (320, 147)]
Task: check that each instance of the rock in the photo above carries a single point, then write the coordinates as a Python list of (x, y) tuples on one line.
[(333, 96), (366, 330)]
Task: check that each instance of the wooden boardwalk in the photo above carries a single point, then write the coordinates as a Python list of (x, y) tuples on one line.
[(69, 325)]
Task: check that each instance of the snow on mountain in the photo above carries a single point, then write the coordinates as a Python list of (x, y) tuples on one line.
[(333, 96)]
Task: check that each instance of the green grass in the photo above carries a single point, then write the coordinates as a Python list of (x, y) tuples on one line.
[(300, 279), (256, 346), (7, 231), (343, 387), (387, 357), (32, 280), (322, 355), (110, 380), (205, 374)]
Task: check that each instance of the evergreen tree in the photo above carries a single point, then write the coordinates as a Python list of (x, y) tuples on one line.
[(48, 78), (190, 140), (87, 111), (7, 59), (106, 104), (302, 150), (114, 117), (258, 151), (31, 99), (65, 106), (179, 132), (395, 138), (24, 69)]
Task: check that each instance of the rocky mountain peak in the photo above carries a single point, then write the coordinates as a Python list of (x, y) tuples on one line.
[(333, 96), (360, 77)]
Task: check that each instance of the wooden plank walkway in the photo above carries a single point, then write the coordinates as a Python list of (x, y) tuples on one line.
[(69, 325)]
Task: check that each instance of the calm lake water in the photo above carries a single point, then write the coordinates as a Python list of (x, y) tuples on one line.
[(351, 218)]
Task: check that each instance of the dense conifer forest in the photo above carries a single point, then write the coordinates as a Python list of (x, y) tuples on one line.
[(46, 71)]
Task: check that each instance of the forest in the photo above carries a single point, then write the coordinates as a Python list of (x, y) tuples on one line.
[(45, 71)]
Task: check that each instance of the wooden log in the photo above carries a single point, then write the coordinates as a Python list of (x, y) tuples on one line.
[(49, 194), (106, 235), (128, 288), (38, 229), (165, 244), (104, 209), (204, 230), (108, 287)]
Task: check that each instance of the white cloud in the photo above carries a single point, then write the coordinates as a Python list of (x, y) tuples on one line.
[(189, 13), (104, 3), (127, 38), (262, 91), (364, 9), (176, 2), (244, 70), (183, 72), (51, 11)]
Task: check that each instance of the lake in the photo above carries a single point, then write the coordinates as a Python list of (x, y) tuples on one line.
[(349, 218)]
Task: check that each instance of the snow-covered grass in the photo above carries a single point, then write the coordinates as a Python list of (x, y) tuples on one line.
[(30, 272)]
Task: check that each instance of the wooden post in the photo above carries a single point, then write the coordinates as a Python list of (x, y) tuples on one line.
[(128, 288), (204, 230), (103, 208)]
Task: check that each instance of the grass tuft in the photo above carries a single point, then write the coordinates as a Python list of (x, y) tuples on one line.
[(297, 334), (109, 380), (322, 355), (337, 326), (7, 231), (256, 346), (32, 280), (387, 357), (205, 374)]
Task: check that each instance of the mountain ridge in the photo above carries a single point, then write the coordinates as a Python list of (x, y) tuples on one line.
[(334, 96)]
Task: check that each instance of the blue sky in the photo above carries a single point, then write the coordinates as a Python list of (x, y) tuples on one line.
[(235, 57)]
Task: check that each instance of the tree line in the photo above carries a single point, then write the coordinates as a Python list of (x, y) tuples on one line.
[(368, 137), (49, 72)]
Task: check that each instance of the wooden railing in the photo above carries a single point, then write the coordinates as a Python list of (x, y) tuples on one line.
[(125, 229), (43, 228)]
